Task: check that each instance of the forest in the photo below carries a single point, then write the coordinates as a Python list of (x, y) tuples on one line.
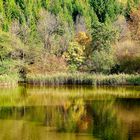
[(65, 38)]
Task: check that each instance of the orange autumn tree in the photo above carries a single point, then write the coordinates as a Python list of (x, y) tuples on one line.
[(134, 23)]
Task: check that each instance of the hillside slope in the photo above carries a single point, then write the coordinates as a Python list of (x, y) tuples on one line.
[(52, 36)]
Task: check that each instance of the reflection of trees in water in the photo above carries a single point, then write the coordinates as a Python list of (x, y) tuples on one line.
[(106, 124), (72, 117), (23, 91), (30, 113), (129, 111)]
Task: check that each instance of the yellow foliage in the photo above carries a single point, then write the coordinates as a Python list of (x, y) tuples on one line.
[(78, 110), (67, 105), (75, 53), (123, 1), (83, 39)]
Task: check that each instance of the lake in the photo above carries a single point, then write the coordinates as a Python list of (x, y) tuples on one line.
[(70, 113)]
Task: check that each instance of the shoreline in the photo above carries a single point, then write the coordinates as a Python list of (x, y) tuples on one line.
[(83, 79), (76, 79)]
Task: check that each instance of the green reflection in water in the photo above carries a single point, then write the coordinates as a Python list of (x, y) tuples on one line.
[(27, 96), (83, 113), (107, 125)]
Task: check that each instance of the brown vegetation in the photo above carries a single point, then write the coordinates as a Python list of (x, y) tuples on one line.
[(48, 64)]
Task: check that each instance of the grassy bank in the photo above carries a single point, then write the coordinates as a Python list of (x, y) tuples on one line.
[(83, 79), (72, 79), (8, 80)]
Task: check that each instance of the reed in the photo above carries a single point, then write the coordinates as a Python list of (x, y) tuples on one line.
[(83, 79), (8, 80), (72, 79)]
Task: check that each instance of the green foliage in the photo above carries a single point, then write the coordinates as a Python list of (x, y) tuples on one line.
[(106, 9), (10, 52), (130, 65), (80, 30), (102, 54), (102, 61), (103, 36)]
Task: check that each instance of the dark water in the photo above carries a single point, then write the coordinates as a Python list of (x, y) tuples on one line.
[(70, 113)]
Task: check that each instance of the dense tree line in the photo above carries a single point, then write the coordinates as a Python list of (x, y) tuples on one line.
[(46, 36)]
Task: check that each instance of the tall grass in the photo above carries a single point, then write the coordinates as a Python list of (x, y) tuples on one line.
[(83, 79), (8, 80), (72, 79)]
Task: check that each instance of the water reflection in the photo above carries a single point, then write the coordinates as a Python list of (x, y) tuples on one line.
[(107, 125), (70, 113)]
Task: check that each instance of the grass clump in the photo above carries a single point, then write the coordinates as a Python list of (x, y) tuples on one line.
[(8, 80)]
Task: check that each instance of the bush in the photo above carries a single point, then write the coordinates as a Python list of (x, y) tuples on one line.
[(128, 57)]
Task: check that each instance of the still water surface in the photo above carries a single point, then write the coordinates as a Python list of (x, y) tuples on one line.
[(70, 113)]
